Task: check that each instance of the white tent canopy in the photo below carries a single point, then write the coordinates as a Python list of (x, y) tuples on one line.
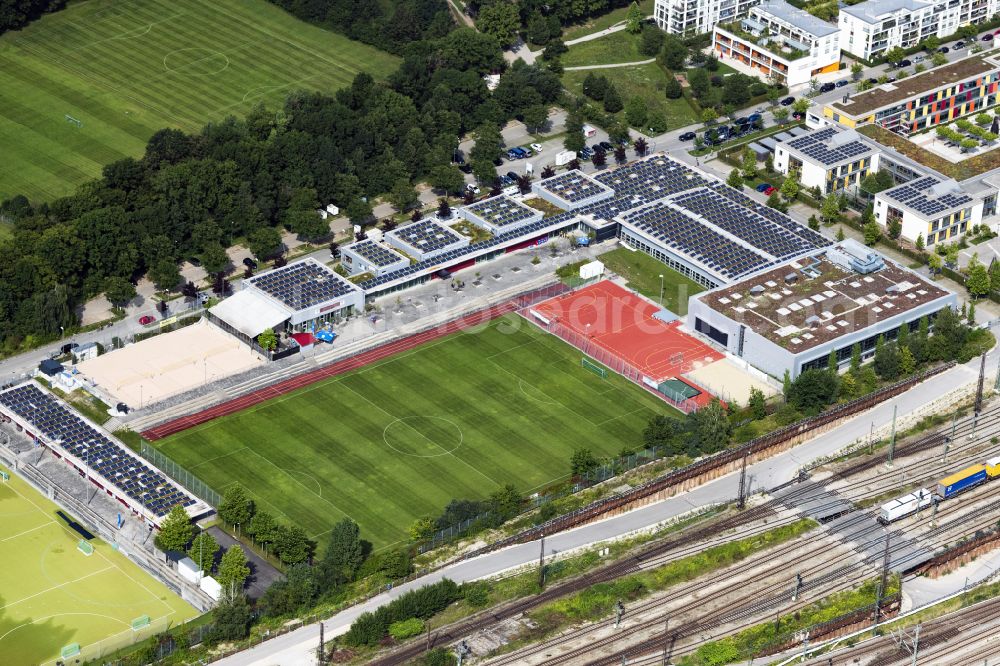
[(250, 313)]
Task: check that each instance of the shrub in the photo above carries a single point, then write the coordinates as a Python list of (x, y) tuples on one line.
[(476, 594), (406, 628)]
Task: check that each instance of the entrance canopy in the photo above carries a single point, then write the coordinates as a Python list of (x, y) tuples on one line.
[(250, 313)]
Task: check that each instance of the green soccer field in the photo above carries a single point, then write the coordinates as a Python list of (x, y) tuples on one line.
[(128, 69), (398, 440), (52, 595)]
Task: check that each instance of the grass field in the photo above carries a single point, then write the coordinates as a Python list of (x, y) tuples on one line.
[(398, 440), (128, 69), (643, 274), (605, 21), (617, 47), (52, 595), (647, 81)]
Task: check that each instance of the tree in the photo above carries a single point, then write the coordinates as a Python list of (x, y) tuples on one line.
[(887, 361), (939, 59), (812, 390), (774, 201), (620, 156), (268, 341), (175, 531), (856, 70), (651, 40), (971, 319), (640, 147), (800, 105), (734, 180), (699, 83), (165, 275), (345, 550), (978, 280), (535, 117), (499, 20), (447, 178), (594, 86), (674, 54), (203, 550), (444, 209), (660, 431), (919, 243), (708, 428), (656, 123), (934, 262), (840, 234), (214, 259), (634, 19), (264, 242), (236, 506), (612, 100), (749, 163), (582, 462), (292, 545), (231, 619), (872, 233), (118, 291), (790, 186), (709, 116), (780, 114), (757, 403), (263, 528), (574, 139), (895, 55), (831, 361), (673, 89), (403, 196), (894, 228), (786, 385), (421, 529), (855, 357), (599, 159), (635, 111), (233, 572)]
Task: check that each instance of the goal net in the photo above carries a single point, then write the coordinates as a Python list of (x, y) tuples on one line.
[(85, 548), (598, 370)]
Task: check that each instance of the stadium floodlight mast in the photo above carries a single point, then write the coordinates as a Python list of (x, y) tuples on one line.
[(661, 290)]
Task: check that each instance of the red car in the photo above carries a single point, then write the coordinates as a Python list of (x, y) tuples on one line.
[(769, 190), (146, 320)]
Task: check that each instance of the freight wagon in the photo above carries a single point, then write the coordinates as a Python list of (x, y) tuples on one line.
[(959, 481), (946, 488)]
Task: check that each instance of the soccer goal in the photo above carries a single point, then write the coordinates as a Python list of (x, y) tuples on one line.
[(4, 476), (598, 370), (140, 622), (74, 121), (85, 548)]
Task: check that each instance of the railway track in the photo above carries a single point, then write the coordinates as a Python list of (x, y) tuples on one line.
[(680, 544)]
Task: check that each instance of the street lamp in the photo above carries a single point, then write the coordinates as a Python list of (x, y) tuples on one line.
[(661, 290)]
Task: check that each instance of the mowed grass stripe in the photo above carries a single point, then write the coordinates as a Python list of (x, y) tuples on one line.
[(381, 444), (107, 69)]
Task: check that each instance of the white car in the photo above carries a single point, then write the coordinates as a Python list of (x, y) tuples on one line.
[(536, 147)]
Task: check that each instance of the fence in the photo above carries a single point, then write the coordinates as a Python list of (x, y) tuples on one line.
[(612, 361), (179, 474)]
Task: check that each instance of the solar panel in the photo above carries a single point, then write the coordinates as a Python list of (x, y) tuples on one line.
[(426, 236), (302, 285), (575, 187), (501, 212), (918, 194), (375, 254), (818, 146), (60, 425)]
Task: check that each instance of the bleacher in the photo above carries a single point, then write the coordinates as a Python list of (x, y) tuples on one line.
[(61, 426)]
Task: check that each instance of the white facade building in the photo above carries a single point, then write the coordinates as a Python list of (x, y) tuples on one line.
[(937, 209), (830, 159), (869, 29), (781, 42), (689, 17)]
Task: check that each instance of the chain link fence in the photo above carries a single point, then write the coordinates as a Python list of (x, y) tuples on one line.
[(179, 474)]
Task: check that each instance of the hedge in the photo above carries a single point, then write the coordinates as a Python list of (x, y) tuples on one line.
[(420, 604)]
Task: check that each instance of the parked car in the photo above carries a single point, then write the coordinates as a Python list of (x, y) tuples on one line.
[(958, 45), (827, 87), (742, 120), (607, 146), (788, 101), (770, 189), (597, 148), (525, 152), (146, 320), (873, 82), (687, 136), (988, 37), (511, 175), (841, 83), (68, 347), (798, 115), (944, 49), (472, 187), (466, 168), (905, 63), (755, 118), (498, 162), (536, 147), (921, 58), (250, 263), (762, 187)]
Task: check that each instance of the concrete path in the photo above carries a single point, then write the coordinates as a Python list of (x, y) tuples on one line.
[(617, 64), (617, 27)]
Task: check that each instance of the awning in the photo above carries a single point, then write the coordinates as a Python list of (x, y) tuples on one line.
[(250, 313)]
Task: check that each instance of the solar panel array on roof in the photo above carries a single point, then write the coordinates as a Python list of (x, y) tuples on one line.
[(59, 424), (426, 235), (302, 285), (375, 254), (919, 195), (682, 234), (573, 186), (744, 223), (642, 182), (814, 238), (818, 146), (502, 211)]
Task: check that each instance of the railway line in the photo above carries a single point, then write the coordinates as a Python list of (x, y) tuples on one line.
[(699, 538)]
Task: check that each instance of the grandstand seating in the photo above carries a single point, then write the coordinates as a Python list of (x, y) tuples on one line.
[(61, 426)]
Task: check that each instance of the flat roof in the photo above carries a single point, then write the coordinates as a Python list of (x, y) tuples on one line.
[(374, 253), (873, 10), (426, 235), (831, 146), (502, 212), (574, 188), (928, 197), (250, 312), (797, 17), (302, 284), (890, 94), (822, 302)]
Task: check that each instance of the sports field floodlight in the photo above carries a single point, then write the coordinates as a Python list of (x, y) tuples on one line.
[(661, 290)]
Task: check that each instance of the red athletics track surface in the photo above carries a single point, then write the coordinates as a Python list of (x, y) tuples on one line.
[(340, 367), (622, 323)]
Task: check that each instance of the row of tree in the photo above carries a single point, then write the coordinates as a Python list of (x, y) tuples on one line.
[(16, 14)]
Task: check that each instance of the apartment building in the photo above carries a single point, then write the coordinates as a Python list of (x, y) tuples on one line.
[(690, 17), (781, 42), (831, 159), (871, 28)]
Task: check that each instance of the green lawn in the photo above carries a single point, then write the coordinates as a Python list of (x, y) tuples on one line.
[(605, 21), (614, 48), (643, 274), (392, 442), (646, 81), (52, 595), (129, 69)]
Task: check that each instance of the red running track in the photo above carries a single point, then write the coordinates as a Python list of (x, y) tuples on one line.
[(345, 365)]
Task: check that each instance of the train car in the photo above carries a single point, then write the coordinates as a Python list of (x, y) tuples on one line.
[(959, 481), (905, 505), (993, 467)]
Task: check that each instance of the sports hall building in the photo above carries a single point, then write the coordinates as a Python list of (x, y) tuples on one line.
[(793, 315)]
